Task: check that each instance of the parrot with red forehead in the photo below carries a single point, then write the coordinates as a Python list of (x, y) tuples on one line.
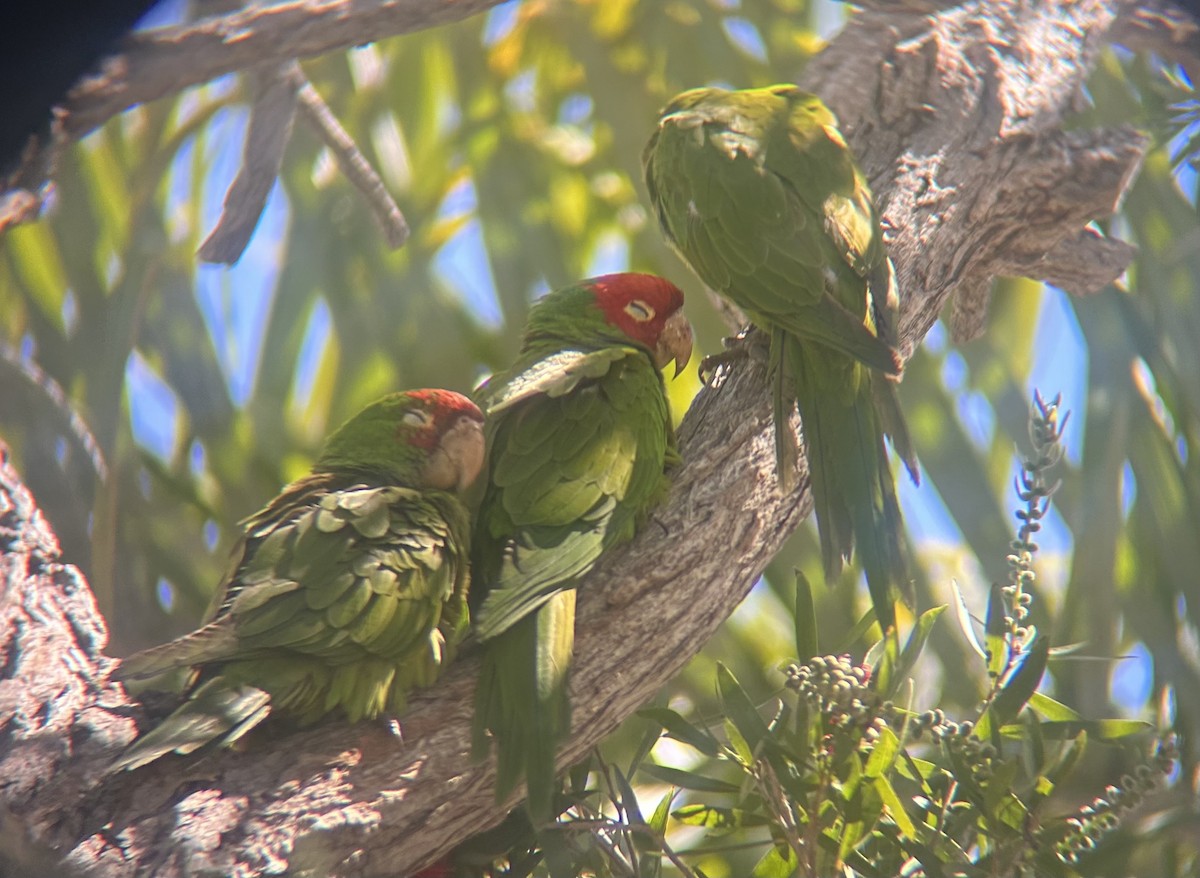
[(579, 438), (346, 591), (759, 193)]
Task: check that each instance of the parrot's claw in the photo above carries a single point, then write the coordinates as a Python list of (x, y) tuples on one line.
[(392, 725), (748, 343)]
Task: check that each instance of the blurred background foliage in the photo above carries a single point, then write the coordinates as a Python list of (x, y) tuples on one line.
[(512, 143)]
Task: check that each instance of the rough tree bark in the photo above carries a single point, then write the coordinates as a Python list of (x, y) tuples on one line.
[(957, 119)]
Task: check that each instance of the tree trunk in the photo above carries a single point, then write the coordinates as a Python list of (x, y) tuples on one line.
[(956, 119)]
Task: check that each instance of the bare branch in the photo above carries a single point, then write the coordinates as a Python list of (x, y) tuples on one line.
[(164, 61), (352, 162), (267, 137), (280, 89)]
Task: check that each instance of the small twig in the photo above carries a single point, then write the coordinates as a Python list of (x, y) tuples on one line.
[(267, 137), (594, 826), (772, 791), (350, 159), (77, 428)]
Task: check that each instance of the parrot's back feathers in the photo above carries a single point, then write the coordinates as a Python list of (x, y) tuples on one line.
[(213, 642), (760, 194), (346, 591)]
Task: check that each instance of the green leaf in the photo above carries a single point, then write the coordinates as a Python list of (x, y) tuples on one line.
[(739, 709), (1068, 759), (917, 639), (883, 754), (626, 798), (1018, 688), (884, 658), (1033, 743), (895, 808), (718, 819), (645, 745), (999, 784), (1011, 812), (965, 623), (805, 619), (1102, 729), (1047, 708), (741, 749), (688, 780), (863, 809), (680, 729), (861, 627), (995, 632), (652, 866), (776, 864)]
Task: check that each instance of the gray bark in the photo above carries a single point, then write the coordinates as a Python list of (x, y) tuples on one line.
[(956, 117)]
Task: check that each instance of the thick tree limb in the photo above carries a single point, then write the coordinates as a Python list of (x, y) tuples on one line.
[(956, 117)]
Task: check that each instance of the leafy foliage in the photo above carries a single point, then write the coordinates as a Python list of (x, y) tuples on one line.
[(840, 778)]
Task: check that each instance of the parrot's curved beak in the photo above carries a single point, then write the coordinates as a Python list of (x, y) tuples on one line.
[(458, 457), (674, 343)]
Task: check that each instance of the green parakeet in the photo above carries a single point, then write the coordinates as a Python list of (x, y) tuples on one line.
[(759, 193), (345, 592), (579, 436)]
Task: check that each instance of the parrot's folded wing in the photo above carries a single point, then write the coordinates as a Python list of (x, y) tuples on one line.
[(555, 375)]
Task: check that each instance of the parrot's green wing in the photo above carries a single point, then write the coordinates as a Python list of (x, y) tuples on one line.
[(761, 195), (577, 443), (554, 375), (342, 599), (754, 236)]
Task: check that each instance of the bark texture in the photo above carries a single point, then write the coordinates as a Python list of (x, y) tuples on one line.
[(956, 117)]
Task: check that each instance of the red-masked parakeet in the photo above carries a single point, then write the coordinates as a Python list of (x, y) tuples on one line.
[(579, 436), (346, 591), (759, 193)]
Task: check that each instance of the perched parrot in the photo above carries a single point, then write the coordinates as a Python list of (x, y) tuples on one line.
[(759, 193), (346, 591), (579, 437)]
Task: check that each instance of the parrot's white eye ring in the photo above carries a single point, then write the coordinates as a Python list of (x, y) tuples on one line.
[(639, 311), (417, 418)]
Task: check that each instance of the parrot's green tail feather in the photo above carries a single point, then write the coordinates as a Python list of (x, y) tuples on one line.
[(786, 450), (528, 722), (854, 493), (210, 643), (220, 709)]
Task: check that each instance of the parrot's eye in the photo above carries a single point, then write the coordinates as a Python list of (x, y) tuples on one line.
[(639, 311), (417, 418)]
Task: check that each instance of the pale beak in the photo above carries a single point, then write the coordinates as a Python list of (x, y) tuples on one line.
[(458, 458), (674, 343)]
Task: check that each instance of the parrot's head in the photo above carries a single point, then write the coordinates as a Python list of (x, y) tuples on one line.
[(420, 438), (648, 310)]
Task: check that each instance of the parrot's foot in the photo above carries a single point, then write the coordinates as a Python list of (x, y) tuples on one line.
[(747, 343), (392, 726)]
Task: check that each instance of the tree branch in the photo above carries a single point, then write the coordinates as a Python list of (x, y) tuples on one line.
[(956, 122), (352, 162), (267, 136), (166, 60)]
